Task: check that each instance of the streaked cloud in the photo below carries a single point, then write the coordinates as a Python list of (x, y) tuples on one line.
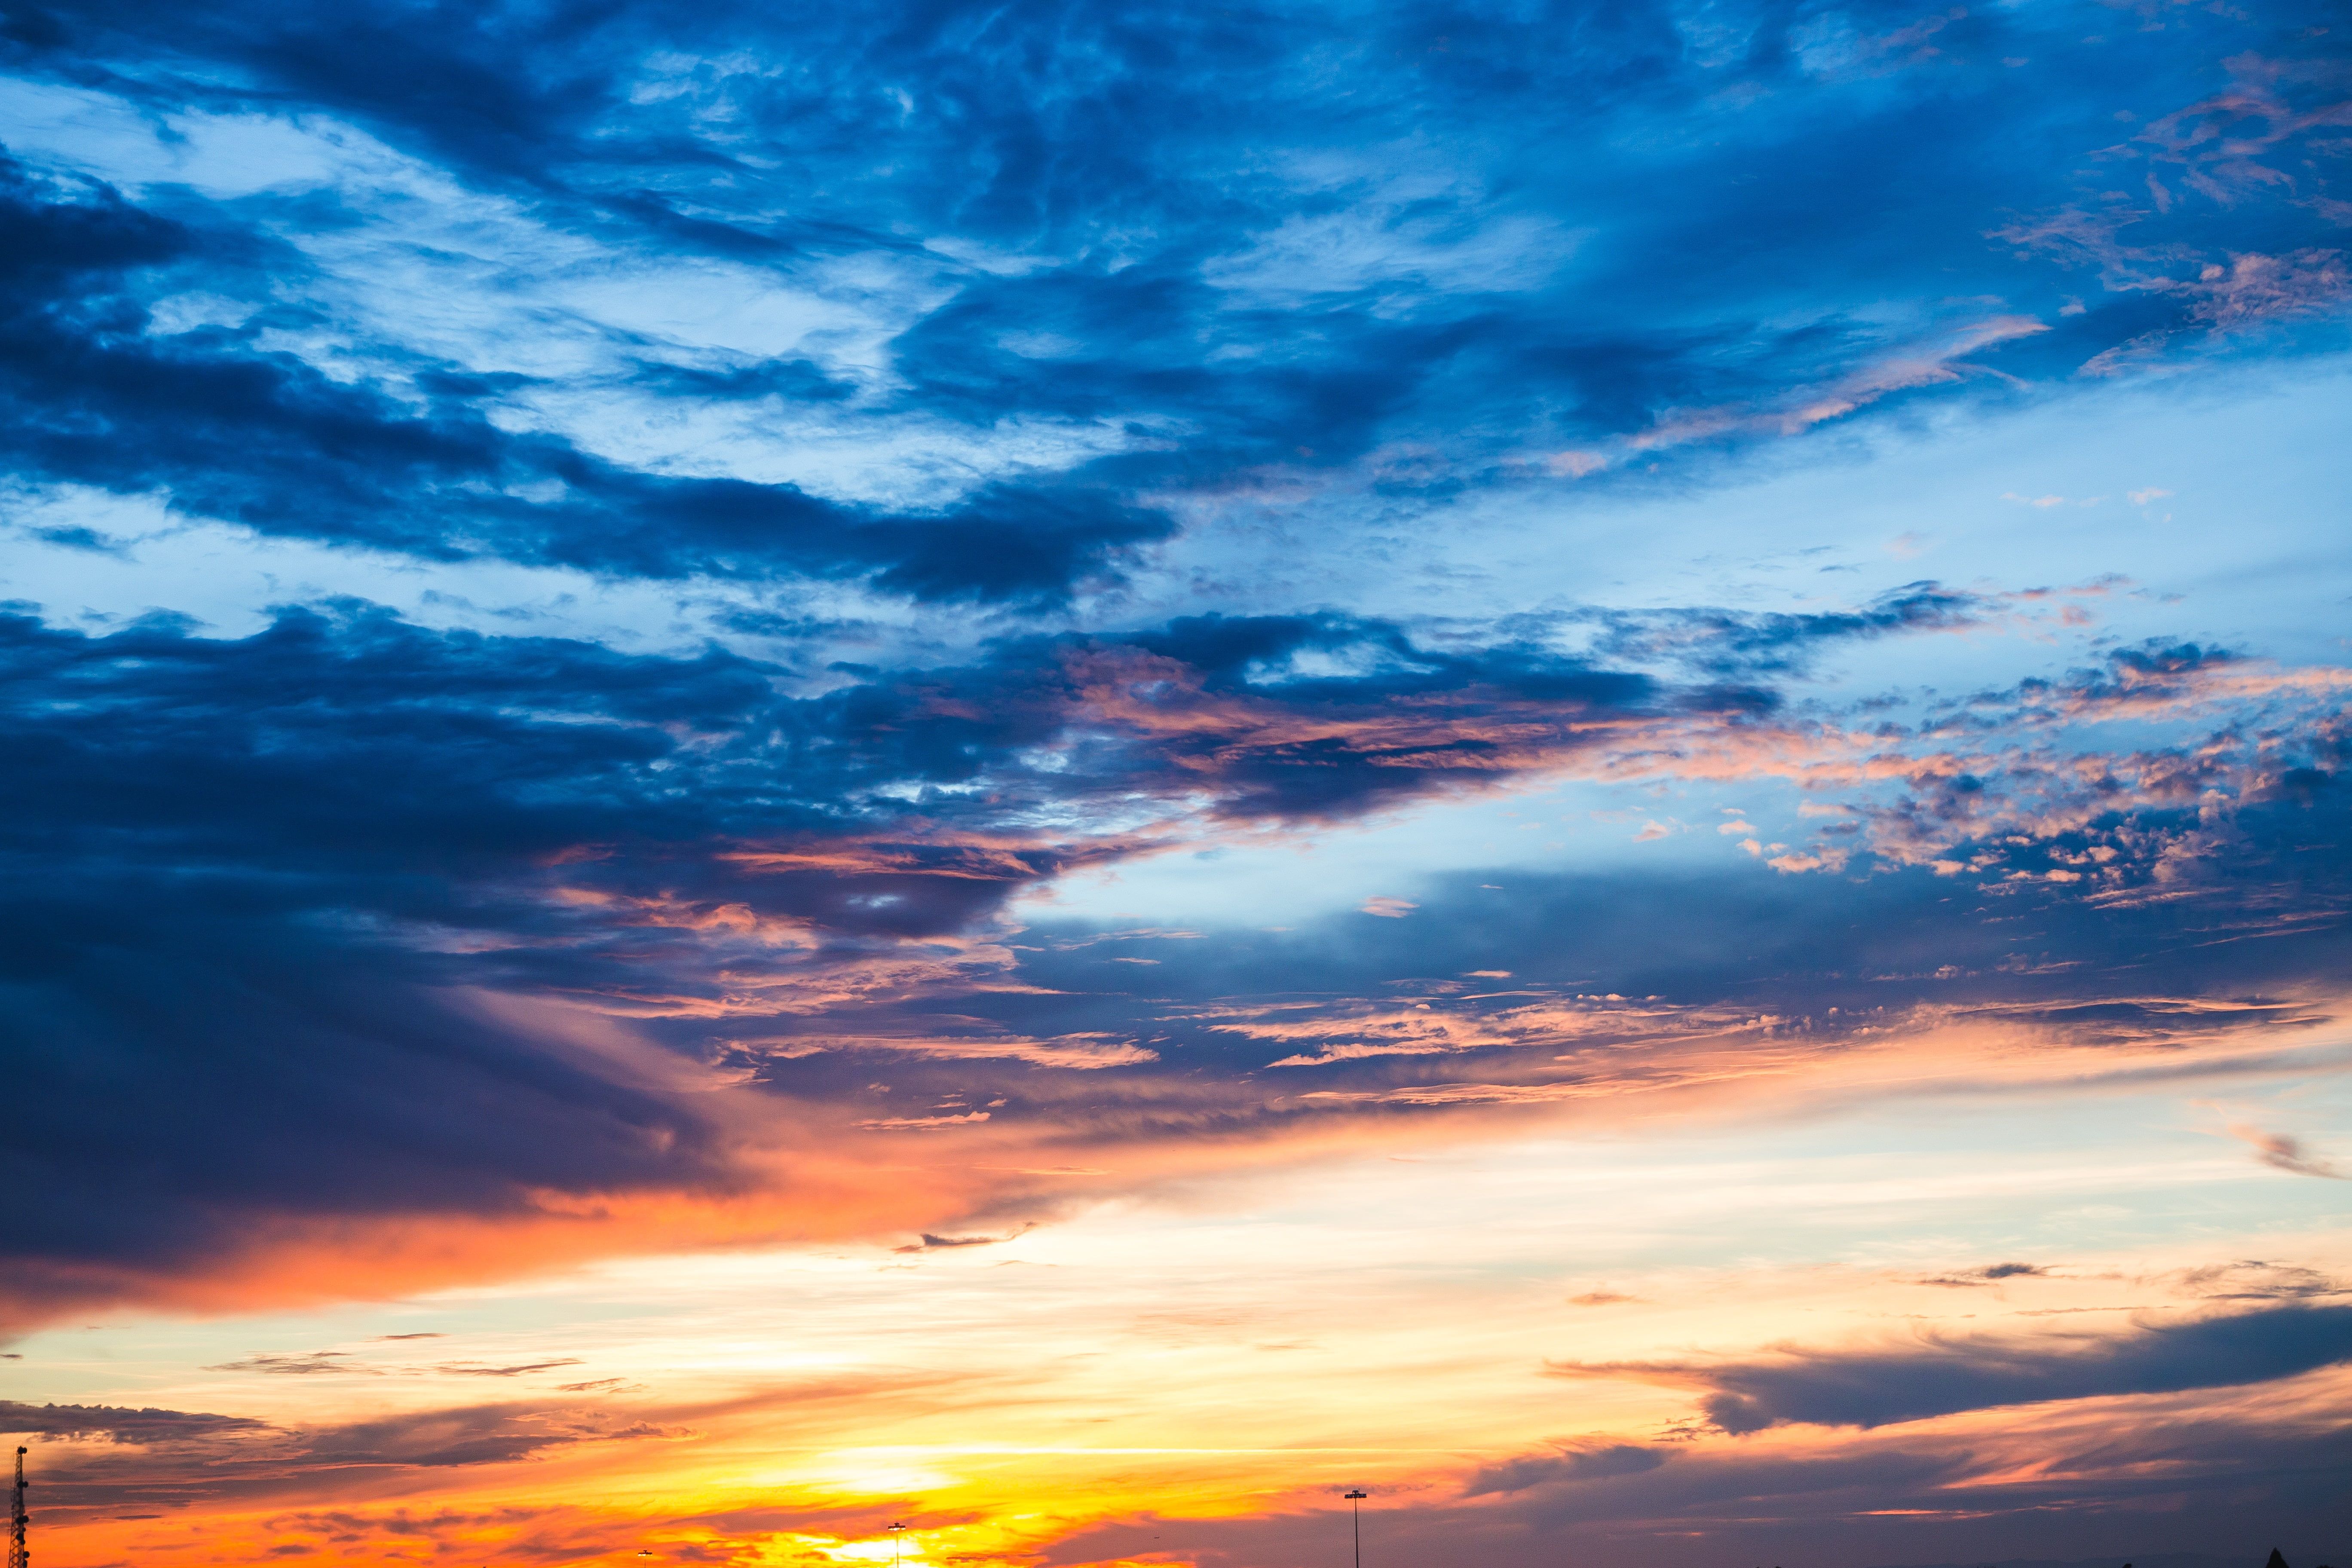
[(1881, 1386)]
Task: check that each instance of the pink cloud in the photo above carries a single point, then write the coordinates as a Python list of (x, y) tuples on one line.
[(2280, 1152)]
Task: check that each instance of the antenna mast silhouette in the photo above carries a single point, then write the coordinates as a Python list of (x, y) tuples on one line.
[(18, 1557)]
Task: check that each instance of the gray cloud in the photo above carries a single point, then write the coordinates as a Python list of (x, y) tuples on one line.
[(1988, 1275), (2185, 1485), (314, 1363), (305, 1365), (1942, 1374), (120, 1424), (1601, 1462)]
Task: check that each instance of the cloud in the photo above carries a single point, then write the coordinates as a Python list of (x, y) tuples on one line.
[(101, 1460), (2257, 1279), (920, 1123), (1085, 334), (972, 361), (264, 438), (2283, 1153), (492, 949), (339, 1363), (930, 1243), (1942, 1374), (1992, 1274), (665, 918), (342, 838), (143, 1426), (1919, 1495), (500, 812), (303, 1365), (481, 1434), (1726, 643), (1597, 1462), (2013, 787), (2257, 289)]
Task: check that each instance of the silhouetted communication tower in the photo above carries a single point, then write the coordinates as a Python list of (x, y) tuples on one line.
[(19, 1556)]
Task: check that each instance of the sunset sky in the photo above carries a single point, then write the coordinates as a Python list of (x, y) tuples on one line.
[(1068, 772)]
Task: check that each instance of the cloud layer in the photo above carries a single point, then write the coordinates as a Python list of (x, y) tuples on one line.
[(869, 635), (1942, 1377)]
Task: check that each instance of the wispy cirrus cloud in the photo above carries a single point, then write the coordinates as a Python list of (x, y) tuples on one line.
[(2284, 1151)]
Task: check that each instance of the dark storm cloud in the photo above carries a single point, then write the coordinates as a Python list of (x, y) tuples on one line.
[(1943, 1374)]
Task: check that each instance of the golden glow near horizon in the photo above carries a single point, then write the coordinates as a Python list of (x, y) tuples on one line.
[(1234, 1348)]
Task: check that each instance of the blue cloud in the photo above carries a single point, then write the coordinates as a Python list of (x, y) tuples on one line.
[(262, 438), (247, 872), (1084, 287), (1261, 241)]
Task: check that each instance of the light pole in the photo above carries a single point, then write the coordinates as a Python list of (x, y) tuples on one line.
[(1356, 1508), (896, 1537)]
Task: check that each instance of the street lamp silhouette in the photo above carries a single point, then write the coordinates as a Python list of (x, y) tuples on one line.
[(895, 1539), (1356, 1508)]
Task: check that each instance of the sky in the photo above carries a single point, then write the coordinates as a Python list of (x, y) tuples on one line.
[(1013, 785)]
